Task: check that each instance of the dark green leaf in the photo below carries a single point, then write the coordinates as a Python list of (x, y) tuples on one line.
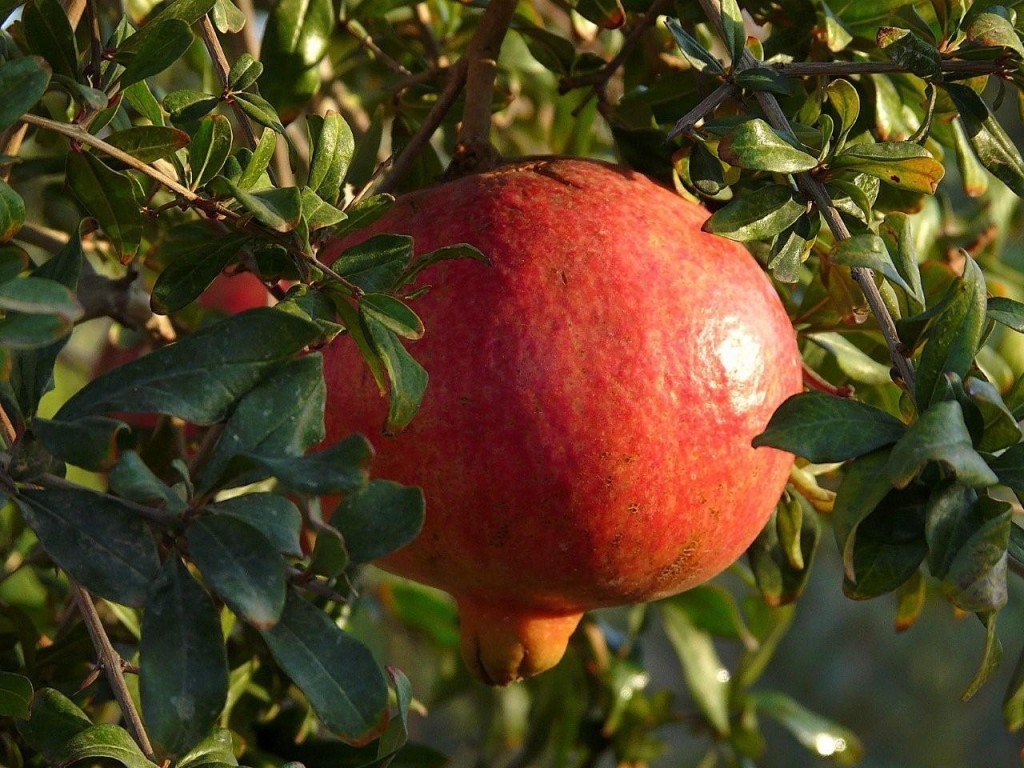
[(553, 52), (103, 544), (317, 213), (22, 83), (407, 378), (818, 734), (341, 468), (994, 148), (898, 234), (990, 28), (113, 199), (15, 695), (48, 33), (283, 416), (337, 673), (974, 547), (734, 29), (92, 443), (823, 428), (333, 147), (183, 669), (241, 566), (196, 255), (108, 741), (755, 145), (378, 519), (160, 44), (274, 516), (868, 250), (1006, 311), (144, 102), (758, 216), (295, 40), (706, 172), (712, 608), (446, 253), (377, 264), (12, 212), (278, 208), (1001, 429), (40, 296), (864, 486), (393, 314), (1009, 467), (910, 52), (244, 72), (955, 335), (701, 665), (851, 360), (185, 106), (779, 580), (764, 80), (149, 142), (201, 376), (132, 479), (939, 435), (843, 97), (215, 750), (259, 161), (696, 54), (211, 145), (259, 109), (54, 720)]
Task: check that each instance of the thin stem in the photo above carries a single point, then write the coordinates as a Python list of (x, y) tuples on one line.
[(364, 39), (599, 79), (403, 162), (482, 57), (220, 63), (705, 107), (816, 191), (111, 662), (840, 68)]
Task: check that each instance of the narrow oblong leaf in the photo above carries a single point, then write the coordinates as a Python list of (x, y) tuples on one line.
[(341, 468), (15, 695), (993, 147), (379, 519), (816, 733), (902, 164), (113, 198), (103, 544), (22, 83), (183, 669), (48, 33), (149, 142), (272, 515), (701, 665), (210, 148), (241, 565), (758, 216), (161, 43), (337, 673), (868, 250), (103, 741), (823, 428), (755, 145)]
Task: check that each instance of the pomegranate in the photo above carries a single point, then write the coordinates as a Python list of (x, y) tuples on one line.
[(585, 437)]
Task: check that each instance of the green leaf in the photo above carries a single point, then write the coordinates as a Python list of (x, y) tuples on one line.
[(758, 216), (109, 741), (215, 750), (283, 416), (333, 147), (994, 148), (211, 145), (955, 335), (843, 97), (274, 516), (701, 666), (53, 721), (201, 376), (295, 40), (868, 250), (862, 489), (259, 109), (910, 52), (990, 28), (904, 165), (706, 172), (48, 33), (188, 11), (393, 314), (103, 544), (378, 519), (377, 264), (1006, 311), (113, 199), (1009, 467), (446, 253), (407, 378), (734, 30), (1001, 429), (28, 332), (244, 72), (241, 566), (898, 234), (277, 208), (149, 142), (553, 52), (764, 80), (40, 296), (341, 468), (160, 44), (990, 659), (317, 213), (712, 608), (939, 435), (227, 17), (22, 84), (144, 102), (755, 145), (778, 578), (337, 673), (817, 734), (185, 105), (183, 669), (1013, 701), (975, 579), (851, 360), (92, 443), (695, 54), (196, 255), (823, 428), (260, 160), (15, 695), (132, 479)]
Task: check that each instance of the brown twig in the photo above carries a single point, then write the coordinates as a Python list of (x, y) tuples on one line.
[(814, 380), (111, 662), (704, 107), (367, 42), (816, 191), (474, 139), (220, 63), (599, 80), (840, 68)]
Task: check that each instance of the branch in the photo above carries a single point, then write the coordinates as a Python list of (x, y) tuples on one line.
[(705, 107), (111, 662), (221, 65), (474, 139), (599, 79), (840, 68), (816, 191), (364, 39)]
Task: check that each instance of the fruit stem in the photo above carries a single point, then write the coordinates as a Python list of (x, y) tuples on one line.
[(474, 150)]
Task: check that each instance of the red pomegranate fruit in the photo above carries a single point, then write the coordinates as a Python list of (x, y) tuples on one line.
[(585, 437)]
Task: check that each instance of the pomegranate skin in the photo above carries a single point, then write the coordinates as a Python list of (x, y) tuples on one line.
[(585, 436)]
